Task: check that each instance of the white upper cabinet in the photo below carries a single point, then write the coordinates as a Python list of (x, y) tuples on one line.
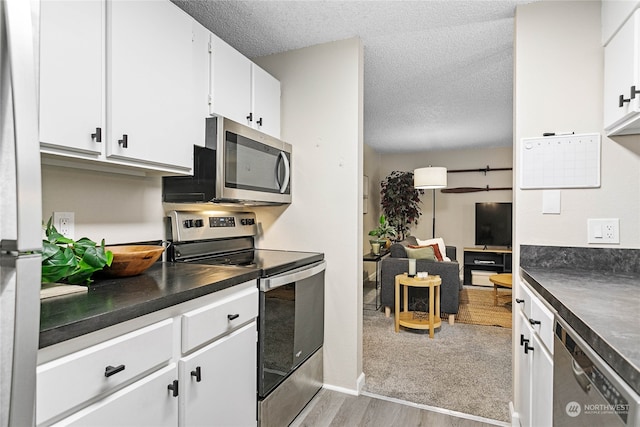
[(149, 59), (117, 83), (265, 101), (614, 14), (622, 80), (230, 95), (72, 76), (242, 91)]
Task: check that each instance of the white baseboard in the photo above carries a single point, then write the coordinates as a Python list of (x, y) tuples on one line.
[(341, 389)]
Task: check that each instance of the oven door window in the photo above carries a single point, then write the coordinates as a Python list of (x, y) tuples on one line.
[(277, 329), (250, 165)]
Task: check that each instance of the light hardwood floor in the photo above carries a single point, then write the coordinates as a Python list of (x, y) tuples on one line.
[(331, 408)]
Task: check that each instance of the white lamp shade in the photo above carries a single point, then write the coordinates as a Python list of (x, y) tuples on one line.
[(430, 177)]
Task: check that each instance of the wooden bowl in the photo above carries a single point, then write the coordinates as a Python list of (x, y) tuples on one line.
[(131, 260)]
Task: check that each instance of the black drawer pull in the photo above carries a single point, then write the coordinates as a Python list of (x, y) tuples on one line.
[(534, 322), (174, 387), (112, 370), (197, 373), (519, 301), (259, 122), (250, 117), (232, 316), (634, 92)]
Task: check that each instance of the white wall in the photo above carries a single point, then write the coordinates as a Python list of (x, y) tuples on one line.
[(322, 118), (558, 87), (115, 207), (455, 212), (371, 166)]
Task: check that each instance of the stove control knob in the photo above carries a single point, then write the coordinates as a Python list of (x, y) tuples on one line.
[(198, 223), (188, 223)]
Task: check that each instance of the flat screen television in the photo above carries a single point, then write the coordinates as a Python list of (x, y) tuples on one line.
[(493, 224)]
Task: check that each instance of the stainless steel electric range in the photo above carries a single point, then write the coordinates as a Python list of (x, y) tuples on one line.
[(291, 306)]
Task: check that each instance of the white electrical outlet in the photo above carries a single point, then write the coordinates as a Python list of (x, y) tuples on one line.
[(64, 223), (603, 230)]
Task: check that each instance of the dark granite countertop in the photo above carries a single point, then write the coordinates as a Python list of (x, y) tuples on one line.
[(112, 301), (603, 307)]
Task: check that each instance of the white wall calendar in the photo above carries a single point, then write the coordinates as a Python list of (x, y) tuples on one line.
[(563, 161)]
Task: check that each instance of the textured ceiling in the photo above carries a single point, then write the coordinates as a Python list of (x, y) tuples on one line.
[(437, 74)]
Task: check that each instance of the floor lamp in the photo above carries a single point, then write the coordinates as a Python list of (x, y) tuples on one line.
[(430, 178)]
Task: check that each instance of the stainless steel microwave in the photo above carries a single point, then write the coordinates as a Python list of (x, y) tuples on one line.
[(237, 165)]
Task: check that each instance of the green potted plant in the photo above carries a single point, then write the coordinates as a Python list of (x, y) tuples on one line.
[(400, 201), (383, 233), (74, 262)]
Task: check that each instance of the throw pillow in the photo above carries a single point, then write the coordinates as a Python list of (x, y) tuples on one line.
[(436, 250), (421, 253), (440, 242)]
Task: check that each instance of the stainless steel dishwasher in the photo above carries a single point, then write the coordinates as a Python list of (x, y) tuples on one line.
[(586, 390)]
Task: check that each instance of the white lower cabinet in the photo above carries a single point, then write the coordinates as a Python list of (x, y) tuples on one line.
[(219, 382), (138, 373), (534, 360)]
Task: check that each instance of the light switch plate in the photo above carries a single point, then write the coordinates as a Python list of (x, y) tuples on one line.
[(603, 230)]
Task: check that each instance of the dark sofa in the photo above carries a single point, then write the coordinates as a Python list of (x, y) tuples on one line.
[(397, 263)]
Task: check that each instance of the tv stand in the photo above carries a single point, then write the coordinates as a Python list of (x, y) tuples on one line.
[(485, 260)]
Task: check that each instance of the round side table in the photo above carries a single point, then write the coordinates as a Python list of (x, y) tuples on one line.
[(504, 280), (411, 319)]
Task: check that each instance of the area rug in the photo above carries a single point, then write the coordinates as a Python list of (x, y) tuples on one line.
[(465, 368), (477, 308)]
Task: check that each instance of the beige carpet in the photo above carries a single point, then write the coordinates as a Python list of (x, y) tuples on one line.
[(477, 308)]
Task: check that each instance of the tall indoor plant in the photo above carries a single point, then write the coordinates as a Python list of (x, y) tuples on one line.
[(400, 201)]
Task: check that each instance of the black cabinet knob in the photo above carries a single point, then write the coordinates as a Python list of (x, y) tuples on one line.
[(519, 301), (634, 92), (523, 340), (232, 316), (197, 373), (527, 347), (534, 322), (259, 122), (112, 370), (622, 100), (174, 388), (250, 117), (97, 137), (124, 142)]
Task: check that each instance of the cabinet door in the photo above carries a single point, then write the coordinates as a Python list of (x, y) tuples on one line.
[(71, 75), (149, 72), (230, 85), (542, 385), (219, 382), (621, 64), (265, 101), (200, 80), (523, 371), (147, 402)]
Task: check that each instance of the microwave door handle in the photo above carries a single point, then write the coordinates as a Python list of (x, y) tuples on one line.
[(287, 172)]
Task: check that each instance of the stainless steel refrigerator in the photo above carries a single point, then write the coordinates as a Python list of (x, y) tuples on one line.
[(20, 212)]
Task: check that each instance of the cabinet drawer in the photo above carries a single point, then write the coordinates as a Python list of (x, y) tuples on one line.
[(205, 324), (147, 402), (67, 382), (540, 313)]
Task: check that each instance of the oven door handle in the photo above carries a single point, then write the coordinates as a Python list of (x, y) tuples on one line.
[(293, 276)]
